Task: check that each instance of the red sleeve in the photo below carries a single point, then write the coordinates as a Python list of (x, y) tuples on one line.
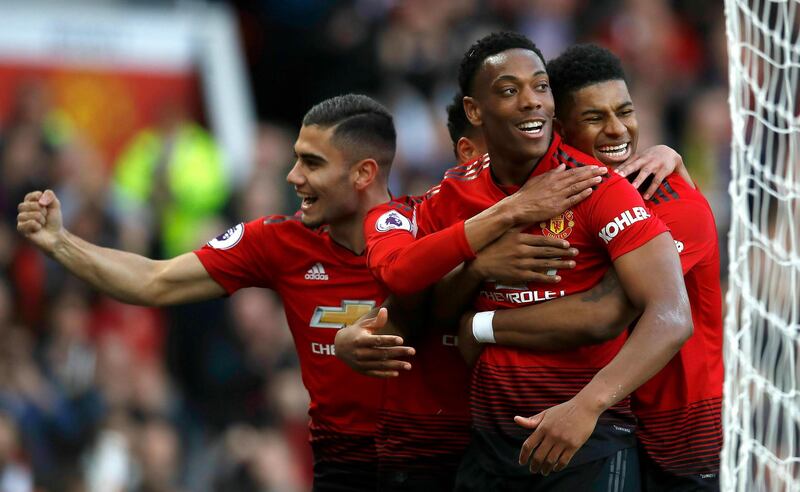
[(621, 220), (401, 262), (238, 258), (693, 229)]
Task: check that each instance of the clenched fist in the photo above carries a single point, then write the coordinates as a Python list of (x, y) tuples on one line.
[(39, 219)]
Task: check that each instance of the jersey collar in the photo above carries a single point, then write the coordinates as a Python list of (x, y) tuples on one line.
[(546, 163)]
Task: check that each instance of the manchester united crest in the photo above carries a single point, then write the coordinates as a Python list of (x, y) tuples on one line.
[(559, 227)]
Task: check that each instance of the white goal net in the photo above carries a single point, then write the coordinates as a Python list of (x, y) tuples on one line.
[(761, 415)]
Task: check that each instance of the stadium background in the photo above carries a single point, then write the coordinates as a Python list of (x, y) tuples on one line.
[(96, 395)]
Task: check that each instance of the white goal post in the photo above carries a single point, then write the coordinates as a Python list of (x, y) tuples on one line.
[(761, 413)]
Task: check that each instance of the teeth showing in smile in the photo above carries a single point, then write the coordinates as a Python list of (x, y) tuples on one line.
[(308, 200), (614, 150), (531, 126)]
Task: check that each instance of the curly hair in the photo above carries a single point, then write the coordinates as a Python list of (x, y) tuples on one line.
[(485, 47), (457, 123), (580, 66)]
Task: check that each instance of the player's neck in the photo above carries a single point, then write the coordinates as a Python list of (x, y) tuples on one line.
[(349, 232), (509, 168), (510, 171)]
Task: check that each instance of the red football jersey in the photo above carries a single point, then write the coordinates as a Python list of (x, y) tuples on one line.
[(424, 421), (429, 259), (679, 410), (324, 287), (506, 381)]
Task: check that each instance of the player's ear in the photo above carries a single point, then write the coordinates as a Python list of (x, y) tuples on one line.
[(466, 150), (472, 110), (364, 173)]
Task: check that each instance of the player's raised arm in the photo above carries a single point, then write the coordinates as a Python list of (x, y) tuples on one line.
[(125, 276)]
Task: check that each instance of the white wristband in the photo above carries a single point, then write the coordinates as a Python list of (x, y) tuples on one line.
[(482, 328)]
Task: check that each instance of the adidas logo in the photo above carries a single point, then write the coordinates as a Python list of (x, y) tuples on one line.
[(316, 272)]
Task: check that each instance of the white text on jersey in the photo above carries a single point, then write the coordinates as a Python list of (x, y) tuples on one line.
[(622, 221), (323, 348), (522, 297)]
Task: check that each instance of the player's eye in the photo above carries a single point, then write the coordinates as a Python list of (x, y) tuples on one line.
[(542, 86), (508, 91)]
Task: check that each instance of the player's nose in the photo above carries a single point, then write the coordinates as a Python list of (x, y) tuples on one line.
[(528, 99), (295, 176), (614, 127)]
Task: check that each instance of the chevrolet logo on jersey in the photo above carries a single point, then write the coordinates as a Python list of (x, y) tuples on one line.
[(339, 317)]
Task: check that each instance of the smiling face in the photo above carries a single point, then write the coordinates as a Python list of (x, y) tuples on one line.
[(322, 178), (600, 120), (513, 106)]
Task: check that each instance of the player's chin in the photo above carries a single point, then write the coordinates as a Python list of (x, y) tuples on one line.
[(311, 221), (535, 150)]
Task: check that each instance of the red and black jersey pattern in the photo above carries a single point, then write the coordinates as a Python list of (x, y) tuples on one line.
[(416, 442), (424, 425), (507, 382), (504, 388), (679, 408), (324, 287), (334, 445), (500, 393), (665, 192), (684, 441)]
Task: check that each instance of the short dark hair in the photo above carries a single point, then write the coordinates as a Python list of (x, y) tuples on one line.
[(363, 125), (580, 66), (485, 47), (457, 123)]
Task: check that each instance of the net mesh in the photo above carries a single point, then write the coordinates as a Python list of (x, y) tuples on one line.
[(761, 416)]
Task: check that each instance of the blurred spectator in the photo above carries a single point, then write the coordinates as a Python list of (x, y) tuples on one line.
[(108, 465), (15, 476), (258, 460), (158, 455), (266, 191), (26, 149), (169, 179)]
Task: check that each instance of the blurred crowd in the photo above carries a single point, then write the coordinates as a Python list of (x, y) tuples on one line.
[(96, 395)]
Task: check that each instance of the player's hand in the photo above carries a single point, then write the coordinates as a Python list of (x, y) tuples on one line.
[(370, 354), (519, 257), (659, 162), (559, 432), (39, 219), (469, 348), (547, 195)]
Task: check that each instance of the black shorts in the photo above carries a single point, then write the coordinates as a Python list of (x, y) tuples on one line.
[(616, 473), (413, 481), (345, 477), (654, 479)]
